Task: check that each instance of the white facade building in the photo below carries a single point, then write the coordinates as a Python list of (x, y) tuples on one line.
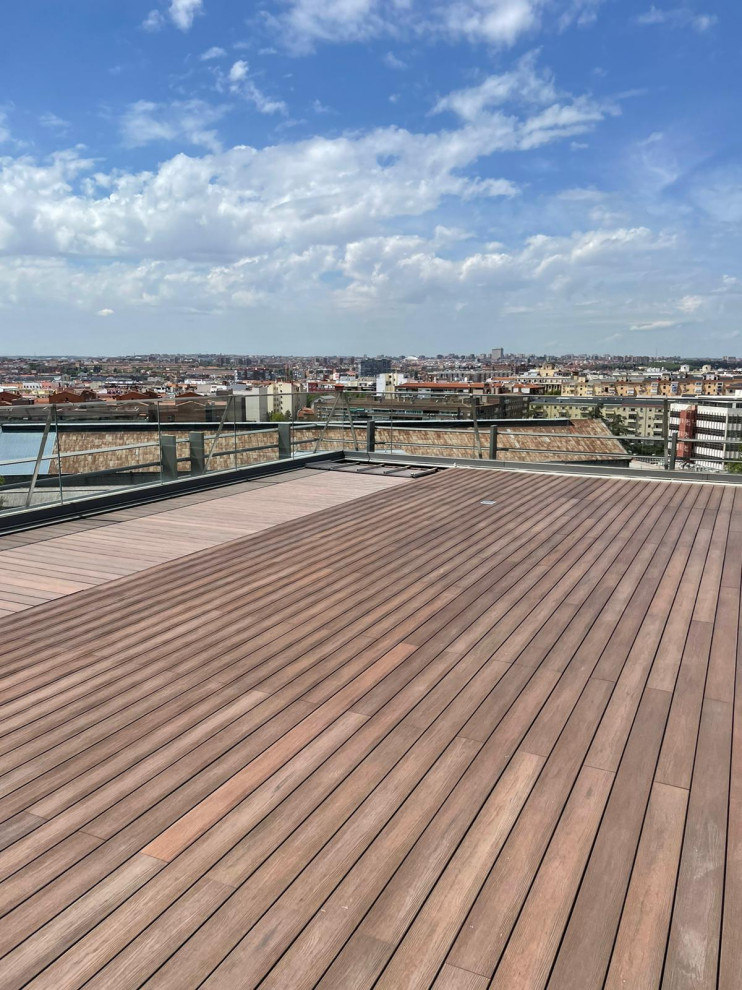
[(389, 380), (720, 423)]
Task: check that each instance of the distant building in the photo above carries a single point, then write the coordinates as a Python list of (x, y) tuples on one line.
[(260, 403), (286, 398), (436, 403), (67, 395), (251, 403), (665, 386), (639, 417), (719, 423), (370, 367), (497, 354), (389, 380)]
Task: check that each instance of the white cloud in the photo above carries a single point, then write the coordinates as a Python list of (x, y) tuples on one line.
[(54, 123), (373, 274), (596, 245), (580, 12), (4, 129), (581, 195), (243, 200), (191, 121), (318, 226), (212, 53), (678, 17), (247, 201), (523, 84), (153, 21), (105, 312), (238, 72), (407, 268), (308, 21), (319, 107), (495, 21), (689, 304), (305, 23), (241, 84), (183, 12), (717, 191), (391, 61), (554, 115), (653, 325), (499, 22)]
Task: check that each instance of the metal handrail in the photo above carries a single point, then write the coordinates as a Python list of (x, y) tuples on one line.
[(126, 446), (391, 435), (502, 432)]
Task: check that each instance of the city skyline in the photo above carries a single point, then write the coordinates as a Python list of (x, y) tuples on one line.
[(585, 356), (370, 177)]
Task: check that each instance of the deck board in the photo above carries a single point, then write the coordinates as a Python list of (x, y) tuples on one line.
[(371, 733), (68, 557)]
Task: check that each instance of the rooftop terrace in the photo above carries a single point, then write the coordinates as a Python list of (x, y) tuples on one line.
[(41, 564), (471, 730)]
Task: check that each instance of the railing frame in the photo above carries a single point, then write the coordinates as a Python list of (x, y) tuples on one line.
[(290, 442)]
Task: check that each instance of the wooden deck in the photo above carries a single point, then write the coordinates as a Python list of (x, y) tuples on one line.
[(411, 741), (49, 562)]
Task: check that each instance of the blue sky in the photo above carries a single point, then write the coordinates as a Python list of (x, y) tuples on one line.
[(350, 176)]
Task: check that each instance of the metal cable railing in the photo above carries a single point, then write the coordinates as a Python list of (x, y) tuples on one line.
[(55, 464)]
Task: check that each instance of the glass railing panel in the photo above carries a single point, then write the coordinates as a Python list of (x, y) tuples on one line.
[(26, 456), (74, 451), (105, 447)]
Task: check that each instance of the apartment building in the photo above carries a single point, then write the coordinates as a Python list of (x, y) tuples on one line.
[(265, 402), (665, 386), (719, 423), (640, 417), (389, 380), (370, 367)]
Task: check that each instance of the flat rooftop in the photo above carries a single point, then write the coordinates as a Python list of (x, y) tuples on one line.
[(471, 730), (59, 559)]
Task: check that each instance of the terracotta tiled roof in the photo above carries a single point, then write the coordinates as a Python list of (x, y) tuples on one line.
[(582, 437)]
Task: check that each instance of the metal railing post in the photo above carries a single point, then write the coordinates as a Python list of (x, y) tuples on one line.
[(665, 417), (672, 452), (231, 400), (352, 424), (197, 452), (59, 455), (217, 435), (476, 438), (493, 443), (39, 457), (284, 440), (370, 436), (159, 435), (169, 456)]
